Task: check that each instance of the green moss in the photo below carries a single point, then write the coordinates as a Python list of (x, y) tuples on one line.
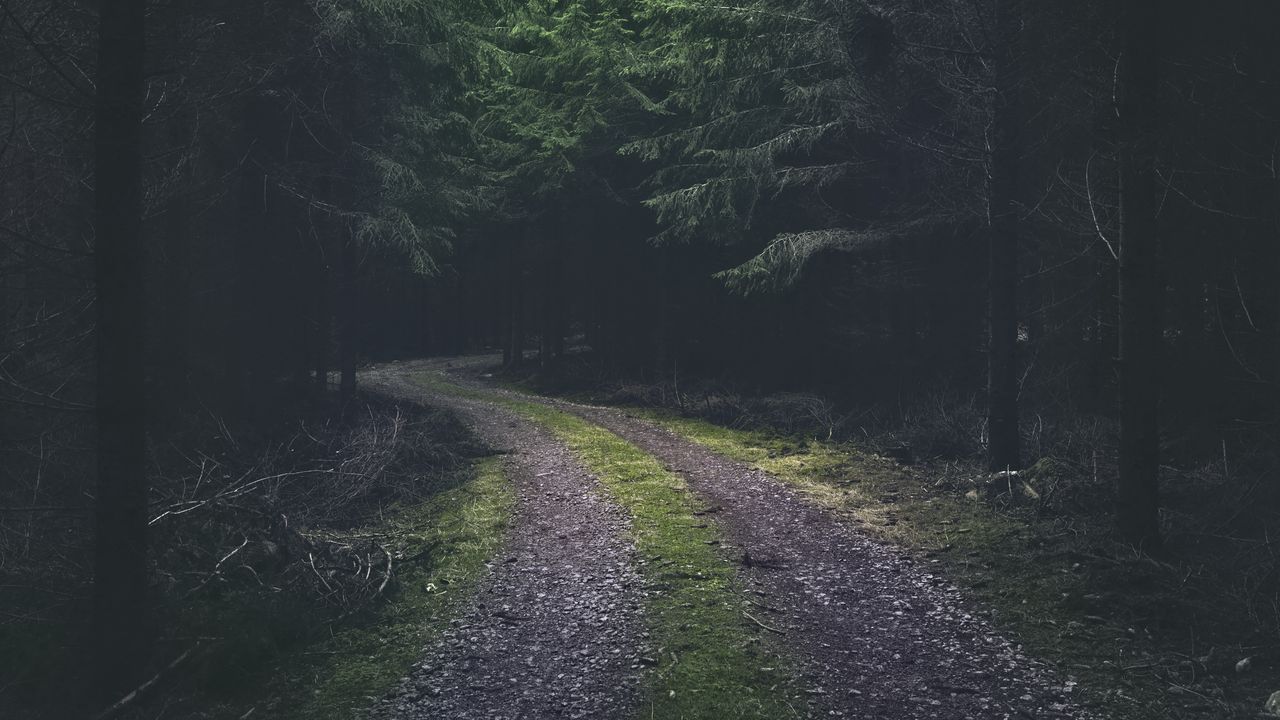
[(711, 660), (450, 537), (1025, 571), (1130, 629)]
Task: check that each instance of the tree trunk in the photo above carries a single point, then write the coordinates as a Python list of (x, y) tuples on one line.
[(462, 317), (323, 326), (516, 308), (552, 337), (174, 352), (661, 322), (1002, 367), (121, 616), (347, 343), (1105, 350), (1137, 495), (246, 378)]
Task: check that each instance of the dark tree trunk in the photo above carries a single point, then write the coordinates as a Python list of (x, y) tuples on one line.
[(1002, 366), (425, 318), (462, 317), (661, 322), (121, 616), (1137, 495), (174, 351), (347, 322), (902, 317), (323, 326), (515, 342), (552, 339), (1105, 348), (251, 242), (505, 275)]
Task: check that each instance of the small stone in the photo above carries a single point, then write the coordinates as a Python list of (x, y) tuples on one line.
[(1244, 666), (1273, 703)]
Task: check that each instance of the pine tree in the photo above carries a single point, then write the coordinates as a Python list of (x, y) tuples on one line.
[(121, 607)]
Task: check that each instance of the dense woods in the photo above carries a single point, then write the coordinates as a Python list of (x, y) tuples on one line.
[(993, 232)]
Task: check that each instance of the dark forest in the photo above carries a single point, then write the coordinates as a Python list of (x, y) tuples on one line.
[(877, 359)]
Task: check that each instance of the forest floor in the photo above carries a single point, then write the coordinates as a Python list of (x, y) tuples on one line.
[(646, 574)]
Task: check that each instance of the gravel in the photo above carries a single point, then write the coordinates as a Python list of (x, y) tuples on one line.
[(875, 636), (555, 630)]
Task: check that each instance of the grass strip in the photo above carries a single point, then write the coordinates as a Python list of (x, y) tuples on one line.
[(1023, 570), (711, 659), (459, 529), (1120, 623)]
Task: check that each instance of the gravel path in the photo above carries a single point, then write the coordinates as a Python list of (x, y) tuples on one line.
[(877, 637), (555, 629)]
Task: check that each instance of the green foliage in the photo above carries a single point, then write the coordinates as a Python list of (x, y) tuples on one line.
[(763, 97), (557, 95), (783, 260), (400, 122)]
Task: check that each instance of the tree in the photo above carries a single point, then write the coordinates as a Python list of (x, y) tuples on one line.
[(1002, 223), (1141, 287), (120, 621)]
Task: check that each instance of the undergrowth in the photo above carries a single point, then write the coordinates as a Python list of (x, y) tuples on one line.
[(442, 545), (388, 553), (298, 564)]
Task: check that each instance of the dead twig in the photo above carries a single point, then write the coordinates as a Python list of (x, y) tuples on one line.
[(217, 569), (386, 578), (144, 687), (312, 561), (753, 619)]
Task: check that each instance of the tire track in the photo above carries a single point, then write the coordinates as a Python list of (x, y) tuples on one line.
[(555, 631), (877, 637)]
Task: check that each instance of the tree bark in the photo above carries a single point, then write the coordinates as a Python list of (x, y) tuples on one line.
[(1141, 296), (347, 349), (246, 378), (661, 321), (551, 345), (515, 343), (323, 327), (121, 617), (174, 350), (1002, 367)]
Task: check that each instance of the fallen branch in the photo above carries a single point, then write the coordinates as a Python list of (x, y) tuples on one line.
[(312, 560), (217, 569), (144, 687), (752, 618), (386, 578)]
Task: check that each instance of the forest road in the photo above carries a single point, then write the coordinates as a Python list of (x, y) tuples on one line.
[(554, 630), (874, 636)]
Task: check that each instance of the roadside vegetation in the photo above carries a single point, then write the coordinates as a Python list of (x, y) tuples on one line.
[(304, 563), (1191, 633)]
